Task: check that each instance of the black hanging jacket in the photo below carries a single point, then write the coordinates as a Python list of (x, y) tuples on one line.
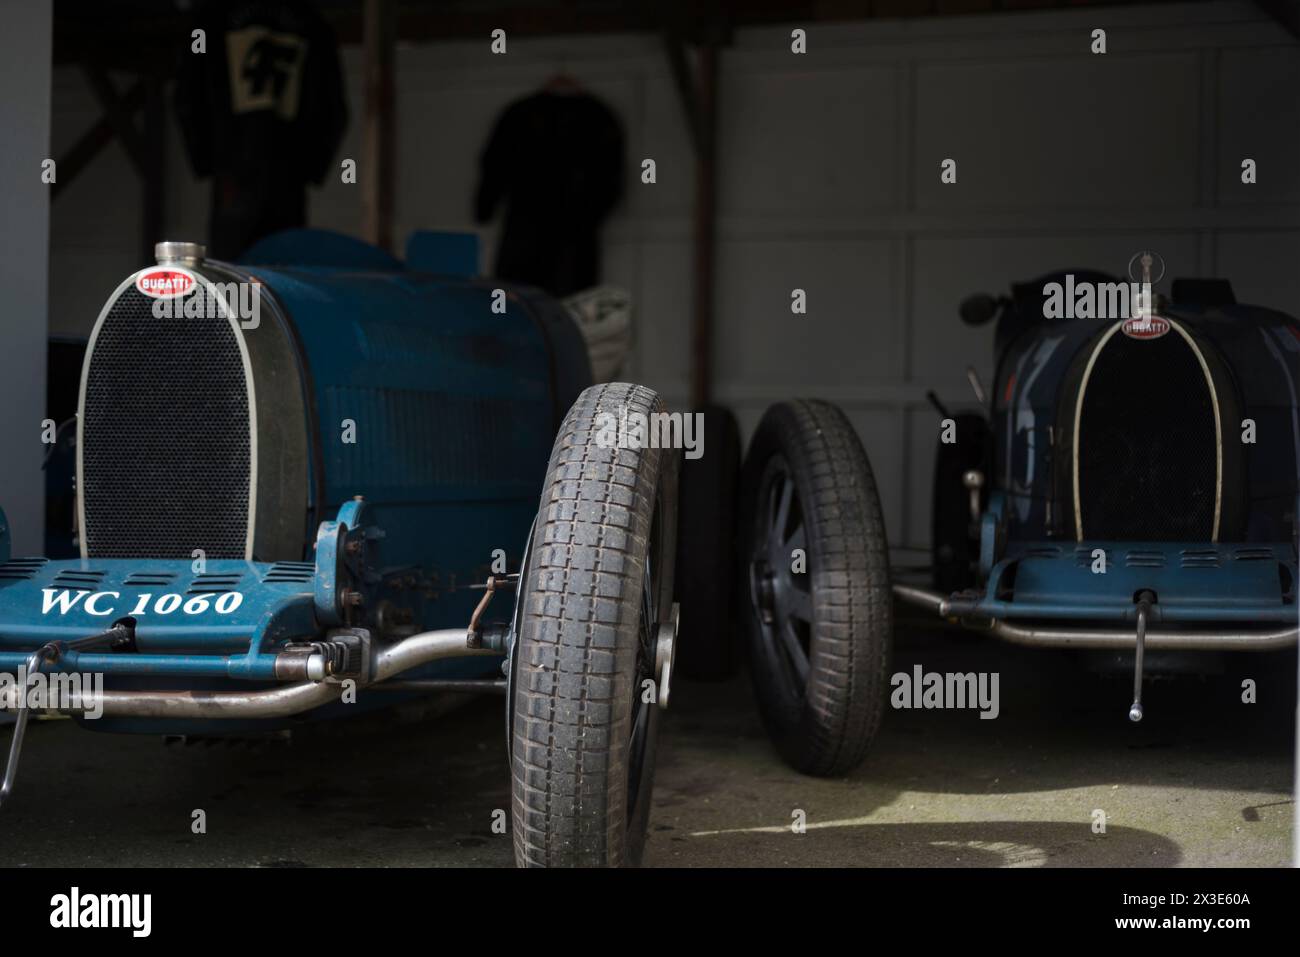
[(556, 159), (261, 112)]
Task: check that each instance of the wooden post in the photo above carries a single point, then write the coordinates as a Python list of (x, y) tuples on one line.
[(704, 227), (377, 170), (699, 98)]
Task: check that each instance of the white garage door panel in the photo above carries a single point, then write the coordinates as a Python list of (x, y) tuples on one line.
[(335, 204), (849, 333), (1259, 109), (1059, 133), (446, 130), (923, 426), (808, 143), (882, 436), (1262, 267), (663, 318), (662, 136)]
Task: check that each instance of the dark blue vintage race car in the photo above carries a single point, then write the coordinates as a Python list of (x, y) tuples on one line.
[(302, 479), (1130, 486)]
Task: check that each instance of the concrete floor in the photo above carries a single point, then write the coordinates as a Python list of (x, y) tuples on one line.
[(1204, 780)]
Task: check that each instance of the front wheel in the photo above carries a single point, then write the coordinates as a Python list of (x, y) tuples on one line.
[(819, 611), (595, 596)]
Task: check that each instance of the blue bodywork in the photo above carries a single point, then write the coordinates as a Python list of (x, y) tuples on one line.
[(1032, 565), (1197, 583), (454, 405), (275, 605)]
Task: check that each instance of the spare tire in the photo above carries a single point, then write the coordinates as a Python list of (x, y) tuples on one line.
[(706, 542)]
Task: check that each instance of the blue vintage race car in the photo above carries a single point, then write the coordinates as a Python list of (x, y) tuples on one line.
[(1131, 485), (302, 479)]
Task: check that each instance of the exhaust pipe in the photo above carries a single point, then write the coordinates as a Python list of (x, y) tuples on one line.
[(277, 702), (1088, 636)]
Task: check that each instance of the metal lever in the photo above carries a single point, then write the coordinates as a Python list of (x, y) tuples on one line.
[(34, 662), (977, 387), (1144, 602), (52, 651), (475, 636)]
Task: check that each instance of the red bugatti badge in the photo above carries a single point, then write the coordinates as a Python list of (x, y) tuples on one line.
[(168, 283), (1145, 327)]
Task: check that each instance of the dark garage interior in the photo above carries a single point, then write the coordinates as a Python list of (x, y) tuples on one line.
[(738, 204)]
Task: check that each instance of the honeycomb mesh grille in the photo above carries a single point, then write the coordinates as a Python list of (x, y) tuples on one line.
[(1148, 466), (166, 450)]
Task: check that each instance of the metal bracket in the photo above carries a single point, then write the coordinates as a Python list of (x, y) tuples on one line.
[(346, 556), (347, 653), (342, 653)]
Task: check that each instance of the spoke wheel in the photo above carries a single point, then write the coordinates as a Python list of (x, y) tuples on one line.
[(644, 722), (819, 613), (782, 595)]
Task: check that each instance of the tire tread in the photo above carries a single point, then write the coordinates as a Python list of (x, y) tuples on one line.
[(578, 640)]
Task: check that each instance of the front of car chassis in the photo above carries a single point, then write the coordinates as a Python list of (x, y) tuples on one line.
[(1125, 595), (239, 641), (297, 665), (247, 645), (279, 647)]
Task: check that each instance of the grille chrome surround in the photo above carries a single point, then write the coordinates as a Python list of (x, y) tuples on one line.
[(166, 436), (1147, 459)]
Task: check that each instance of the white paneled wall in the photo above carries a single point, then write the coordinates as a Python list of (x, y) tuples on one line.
[(829, 182), (25, 45)]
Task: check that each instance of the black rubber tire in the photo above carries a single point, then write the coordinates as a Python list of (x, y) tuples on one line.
[(580, 789), (824, 724), (953, 550), (706, 543)]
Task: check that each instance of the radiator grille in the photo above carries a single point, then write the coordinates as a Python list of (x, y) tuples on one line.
[(1148, 466), (166, 450)]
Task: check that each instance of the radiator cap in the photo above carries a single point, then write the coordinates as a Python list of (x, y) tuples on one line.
[(176, 253)]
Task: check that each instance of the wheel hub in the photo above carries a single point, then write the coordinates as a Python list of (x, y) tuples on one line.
[(665, 650), (763, 585)]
